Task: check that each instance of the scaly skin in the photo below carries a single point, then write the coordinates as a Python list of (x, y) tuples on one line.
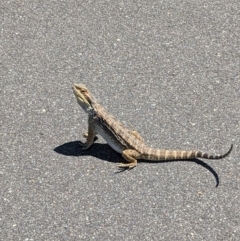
[(126, 142)]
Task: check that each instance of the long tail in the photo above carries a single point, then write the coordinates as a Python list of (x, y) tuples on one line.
[(158, 154)]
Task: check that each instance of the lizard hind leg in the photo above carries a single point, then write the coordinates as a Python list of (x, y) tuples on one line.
[(131, 156)]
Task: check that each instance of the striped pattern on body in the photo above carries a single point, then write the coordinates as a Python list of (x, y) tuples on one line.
[(158, 154), (127, 142)]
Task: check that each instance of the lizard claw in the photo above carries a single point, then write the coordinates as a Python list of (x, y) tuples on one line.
[(83, 145)]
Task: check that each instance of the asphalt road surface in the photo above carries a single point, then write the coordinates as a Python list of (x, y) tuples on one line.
[(169, 69)]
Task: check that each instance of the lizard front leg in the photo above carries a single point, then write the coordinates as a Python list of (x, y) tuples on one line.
[(90, 135), (131, 156)]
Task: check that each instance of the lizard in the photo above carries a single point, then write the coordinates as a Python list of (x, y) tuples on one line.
[(127, 142)]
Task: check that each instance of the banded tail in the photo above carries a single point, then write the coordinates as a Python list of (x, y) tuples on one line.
[(158, 154)]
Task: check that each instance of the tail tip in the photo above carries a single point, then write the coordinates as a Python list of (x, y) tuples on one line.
[(229, 151)]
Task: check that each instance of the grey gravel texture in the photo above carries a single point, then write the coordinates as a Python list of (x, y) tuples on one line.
[(170, 69)]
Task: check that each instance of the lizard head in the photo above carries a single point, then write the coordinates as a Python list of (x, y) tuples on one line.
[(84, 97)]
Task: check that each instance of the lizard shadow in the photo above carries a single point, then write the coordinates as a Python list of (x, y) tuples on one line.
[(104, 152), (100, 151)]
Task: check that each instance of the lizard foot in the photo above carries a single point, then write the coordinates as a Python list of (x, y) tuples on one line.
[(84, 145), (127, 165)]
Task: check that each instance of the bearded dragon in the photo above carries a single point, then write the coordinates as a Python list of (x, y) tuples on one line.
[(127, 142)]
